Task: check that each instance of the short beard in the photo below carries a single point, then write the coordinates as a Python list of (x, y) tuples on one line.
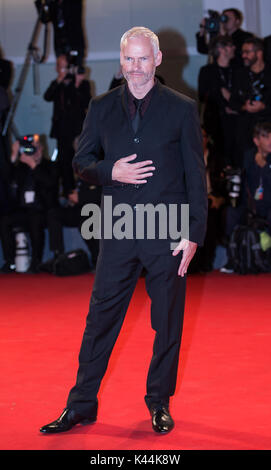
[(145, 77)]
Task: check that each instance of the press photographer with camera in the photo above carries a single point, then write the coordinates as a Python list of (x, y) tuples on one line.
[(255, 196), (33, 183), (214, 81), (70, 94), (251, 96), (228, 23)]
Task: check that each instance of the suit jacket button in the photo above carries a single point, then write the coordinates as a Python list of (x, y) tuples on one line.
[(136, 140)]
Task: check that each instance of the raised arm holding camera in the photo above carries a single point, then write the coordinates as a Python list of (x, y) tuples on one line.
[(228, 23)]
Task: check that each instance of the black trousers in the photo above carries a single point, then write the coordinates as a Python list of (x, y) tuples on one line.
[(60, 217), (33, 222), (116, 277)]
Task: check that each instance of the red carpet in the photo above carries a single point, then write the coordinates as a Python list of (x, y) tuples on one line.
[(224, 387)]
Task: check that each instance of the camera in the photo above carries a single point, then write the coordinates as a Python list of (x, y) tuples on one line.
[(27, 144), (256, 91), (233, 179), (74, 66), (212, 24)]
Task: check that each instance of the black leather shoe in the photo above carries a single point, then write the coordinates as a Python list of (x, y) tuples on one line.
[(162, 422), (67, 420)]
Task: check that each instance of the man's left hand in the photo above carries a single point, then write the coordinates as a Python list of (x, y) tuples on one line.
[(254, 106), (189, 249)]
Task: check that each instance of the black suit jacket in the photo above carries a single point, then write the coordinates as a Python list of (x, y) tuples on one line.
[(169, 134)]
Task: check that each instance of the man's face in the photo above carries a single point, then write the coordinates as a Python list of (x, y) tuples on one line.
[(232, 24), (263, 143), (138, 61), (249, 55), (229, 51)]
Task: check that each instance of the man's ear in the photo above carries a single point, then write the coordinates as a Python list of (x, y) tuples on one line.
[(158, 58), (256, 141), (121, 57)]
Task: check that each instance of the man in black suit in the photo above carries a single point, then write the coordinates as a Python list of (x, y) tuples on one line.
[(149, 157)]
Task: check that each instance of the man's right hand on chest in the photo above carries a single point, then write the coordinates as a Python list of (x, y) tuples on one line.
[(132, 173)]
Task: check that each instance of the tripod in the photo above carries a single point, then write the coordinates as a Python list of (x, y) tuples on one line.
[(32, 54)]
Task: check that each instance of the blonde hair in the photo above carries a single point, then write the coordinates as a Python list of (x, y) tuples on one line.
[(138, 31)]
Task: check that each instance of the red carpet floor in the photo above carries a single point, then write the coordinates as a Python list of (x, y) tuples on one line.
[(223, 395)]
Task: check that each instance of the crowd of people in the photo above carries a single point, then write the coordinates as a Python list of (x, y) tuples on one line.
[(234, 92), (37, 193)]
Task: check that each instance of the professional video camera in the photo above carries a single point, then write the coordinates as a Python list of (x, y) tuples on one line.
[(27, 144), (212, 24)]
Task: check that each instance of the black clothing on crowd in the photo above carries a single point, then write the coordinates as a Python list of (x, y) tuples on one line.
[(69, 107), (5, 165), (238, 38), (5, 73), (219, 124), (68, 32), (205, 255), (34, 193), (244, 90), (267, 49), (69, 111), (256, 178), (70, 216), (255, 194)]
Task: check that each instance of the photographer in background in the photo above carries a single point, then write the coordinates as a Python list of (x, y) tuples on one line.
[(70, 94), (251, 96), (229, 23), (33, 182), (214, 81), (70, 216), (255, 194)]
